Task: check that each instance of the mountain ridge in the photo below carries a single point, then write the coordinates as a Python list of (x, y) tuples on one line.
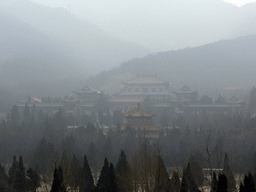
[(93, 47), (206, 68)]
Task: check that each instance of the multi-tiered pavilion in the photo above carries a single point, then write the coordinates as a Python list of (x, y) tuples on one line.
[(142, 120)]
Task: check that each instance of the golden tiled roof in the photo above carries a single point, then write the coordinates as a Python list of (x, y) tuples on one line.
[(138, 112), (184, 89)]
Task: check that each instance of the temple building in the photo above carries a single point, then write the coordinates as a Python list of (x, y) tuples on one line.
[(235, 100), (142, 121), (137, 89), (87, 94), (185, 93)]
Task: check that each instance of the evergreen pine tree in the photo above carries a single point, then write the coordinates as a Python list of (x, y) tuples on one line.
[(4, 186), (162, 180), (248, 183), (241, 187), (103, 181), (112, 187), (43, 156), (123, 173), (20, 179), (57, 184), (188, 183), (214, 185), (175, 182), (223, 183), (86, 183), (33, 180), (228, 173), (75, 173), (196, 171), (184, 182), (12, 171)]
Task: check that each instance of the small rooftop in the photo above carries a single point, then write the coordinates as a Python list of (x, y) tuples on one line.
[(185, 89), (145, 79), (31, 99), (138, 112), (86, 90), (234, 99)]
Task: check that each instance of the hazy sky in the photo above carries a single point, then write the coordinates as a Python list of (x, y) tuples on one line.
[(100, 11), (77, 2), (131, 20)]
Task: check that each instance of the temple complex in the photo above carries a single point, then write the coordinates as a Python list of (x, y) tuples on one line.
[(150, 90)]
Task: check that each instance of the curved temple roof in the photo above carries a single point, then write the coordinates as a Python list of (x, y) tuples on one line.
[(138, 112), (86, 90), (184, 89)]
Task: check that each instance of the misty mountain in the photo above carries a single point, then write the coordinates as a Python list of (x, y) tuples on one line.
[(22, 42), (32, 61), (21, 39), (92, 47), (167, 24), (208, 68), (29, 54)]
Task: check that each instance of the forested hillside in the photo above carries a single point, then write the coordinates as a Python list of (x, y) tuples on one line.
[(209, 67)]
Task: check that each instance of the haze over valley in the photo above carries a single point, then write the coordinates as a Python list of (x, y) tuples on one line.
[(128, 96), (53, 50)]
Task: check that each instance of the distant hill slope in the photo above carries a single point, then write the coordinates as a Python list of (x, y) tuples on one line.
[(32, 61), (205, 68), (167, 24), (92, 47), (26, 52)]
